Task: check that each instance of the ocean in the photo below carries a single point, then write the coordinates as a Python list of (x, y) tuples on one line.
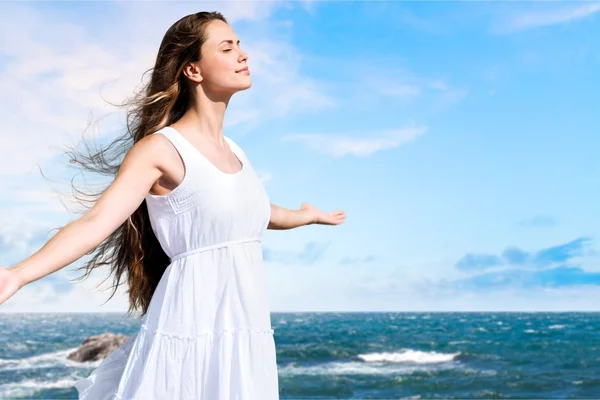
[(379, 355)]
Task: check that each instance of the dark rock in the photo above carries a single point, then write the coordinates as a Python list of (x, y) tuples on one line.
[(97, 347)]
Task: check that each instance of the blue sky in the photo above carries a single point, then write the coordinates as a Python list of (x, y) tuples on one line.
[(459, 137)]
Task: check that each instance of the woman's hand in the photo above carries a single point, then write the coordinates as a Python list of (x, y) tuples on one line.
[(323, 218), (282, 218), (9, 284)]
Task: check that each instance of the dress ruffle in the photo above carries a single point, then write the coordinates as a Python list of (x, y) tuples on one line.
[(166, 365)]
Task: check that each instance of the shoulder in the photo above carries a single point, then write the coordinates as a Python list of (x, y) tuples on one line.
[(155, 147), (152, 143)]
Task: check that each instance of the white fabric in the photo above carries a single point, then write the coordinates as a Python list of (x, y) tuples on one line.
[(207, 334)]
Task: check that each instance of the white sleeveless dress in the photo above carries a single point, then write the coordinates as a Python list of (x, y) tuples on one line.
[(207, 334)]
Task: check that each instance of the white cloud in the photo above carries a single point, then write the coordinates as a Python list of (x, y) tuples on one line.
[(34, 195), (547, 17), (400, 90), (52, 79), (446, 95), (376, 84), (42, 297), (264, 176), (21, 236), (376, 289), (365, 145)]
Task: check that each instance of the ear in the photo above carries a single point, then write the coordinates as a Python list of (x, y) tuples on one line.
[(192, 72)]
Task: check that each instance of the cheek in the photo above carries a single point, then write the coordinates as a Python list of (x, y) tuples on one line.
[(228, 63), (222, 68), (217, 68)]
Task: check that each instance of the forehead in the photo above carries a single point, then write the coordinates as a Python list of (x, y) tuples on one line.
[(217, 31)]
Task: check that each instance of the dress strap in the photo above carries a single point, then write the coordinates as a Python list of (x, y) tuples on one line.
[(179, 144), (237, 150)]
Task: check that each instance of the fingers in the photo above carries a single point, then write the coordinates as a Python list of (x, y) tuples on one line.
[(333, 217), (336, 213), (336, 218)]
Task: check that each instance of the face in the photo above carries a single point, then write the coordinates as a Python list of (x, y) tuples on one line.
[(222, 59)]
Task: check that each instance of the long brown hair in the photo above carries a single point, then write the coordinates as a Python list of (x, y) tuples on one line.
[(133, 248)]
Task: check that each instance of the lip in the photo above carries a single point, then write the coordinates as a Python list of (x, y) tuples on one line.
[(242, 70)]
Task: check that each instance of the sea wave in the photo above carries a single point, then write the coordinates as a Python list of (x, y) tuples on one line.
[(410, 356)]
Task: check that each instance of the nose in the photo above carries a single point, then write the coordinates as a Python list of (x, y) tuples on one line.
[(243, 56)]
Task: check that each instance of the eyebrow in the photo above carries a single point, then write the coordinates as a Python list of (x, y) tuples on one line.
[(229, 41)]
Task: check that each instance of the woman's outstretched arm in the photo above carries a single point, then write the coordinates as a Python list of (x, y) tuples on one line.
[(282, 218), (138, 172)]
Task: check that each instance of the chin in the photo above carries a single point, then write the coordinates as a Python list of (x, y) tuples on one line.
[(245, 86)]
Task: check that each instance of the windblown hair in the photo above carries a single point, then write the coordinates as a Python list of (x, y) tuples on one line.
[(133, 248)]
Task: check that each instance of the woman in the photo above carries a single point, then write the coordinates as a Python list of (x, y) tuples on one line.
[(183, 218)]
